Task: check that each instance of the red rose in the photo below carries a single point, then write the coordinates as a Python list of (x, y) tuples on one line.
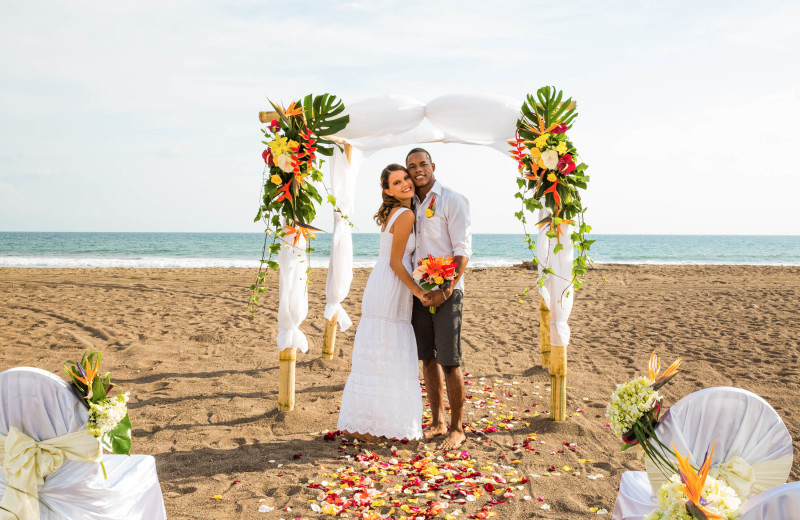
[(274, 126), (566, 164), (267, 156), (560, 129)]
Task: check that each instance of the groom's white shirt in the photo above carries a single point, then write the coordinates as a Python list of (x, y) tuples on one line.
[(448, 232)]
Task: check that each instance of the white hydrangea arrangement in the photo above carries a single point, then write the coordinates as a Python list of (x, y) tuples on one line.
[(105, 415), (634, 411), (719, 498), (629, 402), (693, 495)]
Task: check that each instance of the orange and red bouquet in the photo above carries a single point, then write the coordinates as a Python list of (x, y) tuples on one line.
[(433, 272)]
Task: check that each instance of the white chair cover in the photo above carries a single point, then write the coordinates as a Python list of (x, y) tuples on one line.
[(778, 503), (43, 406), (744, 426)]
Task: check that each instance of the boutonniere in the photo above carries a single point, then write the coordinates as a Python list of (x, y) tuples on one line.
[(431, 211)]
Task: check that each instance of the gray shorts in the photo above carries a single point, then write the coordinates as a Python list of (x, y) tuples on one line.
[(439, 335)]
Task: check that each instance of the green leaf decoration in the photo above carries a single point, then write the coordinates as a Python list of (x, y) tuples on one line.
[(118, 440)]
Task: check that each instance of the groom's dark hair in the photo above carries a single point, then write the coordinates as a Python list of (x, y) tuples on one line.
[(418, 150)]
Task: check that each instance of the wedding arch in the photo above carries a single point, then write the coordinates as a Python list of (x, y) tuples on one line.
[(354, 133)]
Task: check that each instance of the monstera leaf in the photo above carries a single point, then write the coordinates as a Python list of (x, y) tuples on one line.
[(545, 110), (321, 112)]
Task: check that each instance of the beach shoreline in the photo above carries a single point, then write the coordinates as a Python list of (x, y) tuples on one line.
[(202, 372)]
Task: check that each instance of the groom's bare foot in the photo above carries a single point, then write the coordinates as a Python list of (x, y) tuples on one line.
[(453, 440), (434, 431)]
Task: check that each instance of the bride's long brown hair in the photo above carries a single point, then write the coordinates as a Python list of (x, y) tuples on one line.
[(389, 202)]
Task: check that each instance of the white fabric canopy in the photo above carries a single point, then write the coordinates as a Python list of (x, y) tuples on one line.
[(42, 406), (746, 430), (391, 121)]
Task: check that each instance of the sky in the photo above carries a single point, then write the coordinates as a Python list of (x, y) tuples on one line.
[(143, 116)]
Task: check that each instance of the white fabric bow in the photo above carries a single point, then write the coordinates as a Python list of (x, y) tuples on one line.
[(746, 479), (25, 462)]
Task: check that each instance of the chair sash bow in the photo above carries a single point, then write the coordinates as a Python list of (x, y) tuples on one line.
[(25, 462)]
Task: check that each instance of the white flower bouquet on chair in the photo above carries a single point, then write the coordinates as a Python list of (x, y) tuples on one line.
[(108, 416), (635, 409), (693, 495)]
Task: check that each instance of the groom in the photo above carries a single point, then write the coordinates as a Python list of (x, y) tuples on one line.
[(442, 229)]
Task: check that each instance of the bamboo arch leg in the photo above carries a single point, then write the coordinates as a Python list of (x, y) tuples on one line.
[(544, 332), (558, 383), (329, 340), (288, 358)]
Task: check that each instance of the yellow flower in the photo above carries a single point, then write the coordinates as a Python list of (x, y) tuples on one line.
[(276, 179), (561, 148), (551, 177), (536, 153), (279, 146), (429, 212), (540, 163), (292, 144), (438, 280), (541, 141)]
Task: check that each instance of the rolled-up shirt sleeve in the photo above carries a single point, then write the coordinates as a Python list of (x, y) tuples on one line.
[(459, 226)]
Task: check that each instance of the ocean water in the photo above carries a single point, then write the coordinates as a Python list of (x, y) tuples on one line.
[(21, 249)]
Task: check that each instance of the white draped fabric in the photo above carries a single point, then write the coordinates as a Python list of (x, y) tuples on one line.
[(557, 291), (778, 503), (44, 410), (293, 294), (343, 187), (753, 447), (390, 121)]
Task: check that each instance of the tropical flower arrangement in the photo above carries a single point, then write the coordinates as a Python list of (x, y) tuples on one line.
[(693, 495), (433, 272), (294, 143), (635, 408), (108, 416), (550, 174)]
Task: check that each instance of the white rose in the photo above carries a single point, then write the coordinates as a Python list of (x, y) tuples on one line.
[(417, 274), (285, 164), (550, 159)]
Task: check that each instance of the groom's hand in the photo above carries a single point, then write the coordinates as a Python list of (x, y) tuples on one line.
[(436, 298)]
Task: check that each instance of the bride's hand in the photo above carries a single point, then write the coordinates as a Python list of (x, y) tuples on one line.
[(421, 294)]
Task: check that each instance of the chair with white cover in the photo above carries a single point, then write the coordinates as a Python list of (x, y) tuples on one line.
[(778, 503), (38, 411), (753, 447)]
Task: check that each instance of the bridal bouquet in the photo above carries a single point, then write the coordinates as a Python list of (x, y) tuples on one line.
[(433, 272), (694, 495), (635, 408), (108, 416)]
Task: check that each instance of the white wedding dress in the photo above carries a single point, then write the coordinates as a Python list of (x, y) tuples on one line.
[(382, 395)]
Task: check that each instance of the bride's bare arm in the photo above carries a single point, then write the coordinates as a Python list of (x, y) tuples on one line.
[(402, 229)]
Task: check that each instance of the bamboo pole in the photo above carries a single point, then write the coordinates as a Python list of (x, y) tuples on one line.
[(288, 358), (329, 339), (266, 117), (558, 383), (544, 332)]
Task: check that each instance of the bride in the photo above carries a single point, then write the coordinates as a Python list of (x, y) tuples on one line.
[(382, 396)]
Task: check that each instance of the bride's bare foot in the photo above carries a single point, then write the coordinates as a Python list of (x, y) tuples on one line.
[(434, 431), (364, 437), (453, 440)]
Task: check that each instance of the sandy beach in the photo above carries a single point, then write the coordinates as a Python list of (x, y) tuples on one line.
[(203, 377)]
